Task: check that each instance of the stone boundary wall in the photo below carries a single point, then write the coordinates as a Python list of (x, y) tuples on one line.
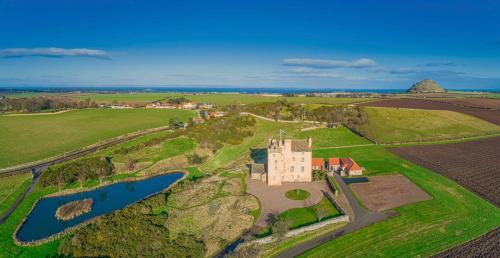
[(298, 231)]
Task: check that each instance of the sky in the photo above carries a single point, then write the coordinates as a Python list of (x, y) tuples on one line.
[(260, 44)]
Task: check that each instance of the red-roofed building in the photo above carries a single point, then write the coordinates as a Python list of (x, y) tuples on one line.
[(317, 164), (333, 164), (349, 167)]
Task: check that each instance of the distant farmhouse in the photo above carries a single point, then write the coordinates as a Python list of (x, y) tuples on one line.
[(289, 161)]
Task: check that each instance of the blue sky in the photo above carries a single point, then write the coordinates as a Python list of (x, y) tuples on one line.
[(315, 44)]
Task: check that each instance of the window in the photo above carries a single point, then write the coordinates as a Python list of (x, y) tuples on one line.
[(302, 159), (274, 155), (293, 159), (291, 169), (302, 169)]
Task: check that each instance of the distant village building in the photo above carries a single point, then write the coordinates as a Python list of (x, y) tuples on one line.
[(188, 105), (214, 114), (289, 161), (117, 106), (198, 120), (205, 106)]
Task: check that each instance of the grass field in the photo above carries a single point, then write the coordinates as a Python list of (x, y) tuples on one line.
[(11, 187), (391, 125), (262, 131), (454, 216), (333, 137), (218, 99), (29, 138)]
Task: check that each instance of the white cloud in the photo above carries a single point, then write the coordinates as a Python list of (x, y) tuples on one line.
[(329, 63), (53, 52)]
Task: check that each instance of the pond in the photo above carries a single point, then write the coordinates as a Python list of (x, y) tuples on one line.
[(42, 223), (353, 180)]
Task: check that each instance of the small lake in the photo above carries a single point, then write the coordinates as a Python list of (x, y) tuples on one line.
[(353, 180), (42, 223)]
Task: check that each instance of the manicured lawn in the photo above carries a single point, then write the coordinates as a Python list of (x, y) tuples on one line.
[(297, 194), (11, 187), (389, 125), (299, 217), (218, 99), (29, 138), (333, 137), (454, 216)]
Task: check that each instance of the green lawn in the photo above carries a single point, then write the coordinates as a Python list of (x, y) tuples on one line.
[(390, 125), (11, 187), (218, 99), (7, 246), (29, 138), (454, 216), (194, 173), (297, 194), (169, 148), (333, 137)]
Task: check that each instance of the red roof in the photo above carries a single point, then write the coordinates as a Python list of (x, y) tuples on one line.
[(334, 161), (318, 162), (349, 164)]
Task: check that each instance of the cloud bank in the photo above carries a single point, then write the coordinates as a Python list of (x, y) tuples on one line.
[(53, 52), (329, 63)]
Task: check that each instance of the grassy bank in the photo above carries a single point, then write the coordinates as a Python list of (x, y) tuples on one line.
[(333, 137), (11, 187), (388, 125), (454, 216), (29, 138)]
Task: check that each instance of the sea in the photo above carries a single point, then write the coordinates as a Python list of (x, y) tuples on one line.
[(243, 90)]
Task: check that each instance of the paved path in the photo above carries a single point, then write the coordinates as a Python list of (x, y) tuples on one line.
[(362, 219), (273, 200), (20, 198)]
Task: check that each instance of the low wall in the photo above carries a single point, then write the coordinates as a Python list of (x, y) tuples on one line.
[(294, 232)]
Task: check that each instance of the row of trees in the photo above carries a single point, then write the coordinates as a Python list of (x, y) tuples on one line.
[(79, 170), (284, 110), (39, 104)]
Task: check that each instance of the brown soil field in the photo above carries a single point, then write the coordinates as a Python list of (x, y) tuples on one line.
[(473, 102), (487, 245), (474, 165), (480, 108), (387, 192)]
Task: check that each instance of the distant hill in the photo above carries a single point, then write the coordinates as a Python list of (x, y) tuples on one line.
[(426, 86)]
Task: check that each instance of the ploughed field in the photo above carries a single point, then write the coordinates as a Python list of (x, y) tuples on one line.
[(486, 109), (475, 165), (487, 245)]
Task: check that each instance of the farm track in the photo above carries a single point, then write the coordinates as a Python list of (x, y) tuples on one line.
[(474, 165), (488, 111), (487, 245)]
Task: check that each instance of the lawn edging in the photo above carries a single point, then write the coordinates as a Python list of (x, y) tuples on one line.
[(300, 230)]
